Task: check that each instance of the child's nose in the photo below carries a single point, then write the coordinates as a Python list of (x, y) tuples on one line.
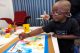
[(56, 13)]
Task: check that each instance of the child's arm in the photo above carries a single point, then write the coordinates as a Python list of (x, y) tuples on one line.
[(75, 31), (32, 33), (47, 29), (36, 32), (66, 36)]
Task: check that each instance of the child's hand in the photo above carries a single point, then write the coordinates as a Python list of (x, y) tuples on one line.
[(45, 17), (23, 36)]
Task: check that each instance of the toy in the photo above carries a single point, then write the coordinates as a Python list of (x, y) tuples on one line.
[(8, 30), (40, 44), (26, 27), (7, 35)]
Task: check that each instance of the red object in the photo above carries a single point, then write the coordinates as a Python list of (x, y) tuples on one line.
[(22, 36), (20, 17), (8, 30), (8, 20)]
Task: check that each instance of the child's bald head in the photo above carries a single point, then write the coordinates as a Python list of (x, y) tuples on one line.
[(63, 5), (61, 10)]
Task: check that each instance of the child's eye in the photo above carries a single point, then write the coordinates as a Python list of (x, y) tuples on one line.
[(57, 13)]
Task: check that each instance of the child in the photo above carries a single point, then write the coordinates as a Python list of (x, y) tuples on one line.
[(66, 29)]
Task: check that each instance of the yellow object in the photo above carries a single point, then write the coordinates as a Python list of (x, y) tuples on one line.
[(7, 35), (3, 29), (26, 27), (9, 26), (40, 44)]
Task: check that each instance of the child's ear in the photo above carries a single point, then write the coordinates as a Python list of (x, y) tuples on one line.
[(68, 15)]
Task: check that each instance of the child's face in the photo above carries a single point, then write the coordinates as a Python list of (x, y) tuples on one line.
[(58, 14)]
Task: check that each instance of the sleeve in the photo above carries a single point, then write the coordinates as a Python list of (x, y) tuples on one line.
[(75, 28), (48, 28)]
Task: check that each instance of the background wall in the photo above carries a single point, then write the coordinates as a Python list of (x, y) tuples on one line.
[(6, 11), (34, 8)]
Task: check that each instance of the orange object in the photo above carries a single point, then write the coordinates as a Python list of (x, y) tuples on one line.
[(8, 30), (40, 44)]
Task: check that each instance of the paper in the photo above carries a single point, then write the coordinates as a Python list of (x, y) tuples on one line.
[(34, 44)]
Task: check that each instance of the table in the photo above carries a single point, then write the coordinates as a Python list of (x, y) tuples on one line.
[(7, 42)]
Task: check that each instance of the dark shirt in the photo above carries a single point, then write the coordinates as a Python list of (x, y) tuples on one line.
[(70, 26), (75, 6)]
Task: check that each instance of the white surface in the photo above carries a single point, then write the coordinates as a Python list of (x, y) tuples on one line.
[(3, 24), (6, 9), (55, 44), (20, 29), (34, 45), (33, 28), (4, 41)]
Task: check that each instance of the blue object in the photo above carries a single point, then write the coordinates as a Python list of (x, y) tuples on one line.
[(46, 44), (27, 50), (76, 49)]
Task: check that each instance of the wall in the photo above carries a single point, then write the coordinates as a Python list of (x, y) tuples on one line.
[(6, 11), (34, 8)]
